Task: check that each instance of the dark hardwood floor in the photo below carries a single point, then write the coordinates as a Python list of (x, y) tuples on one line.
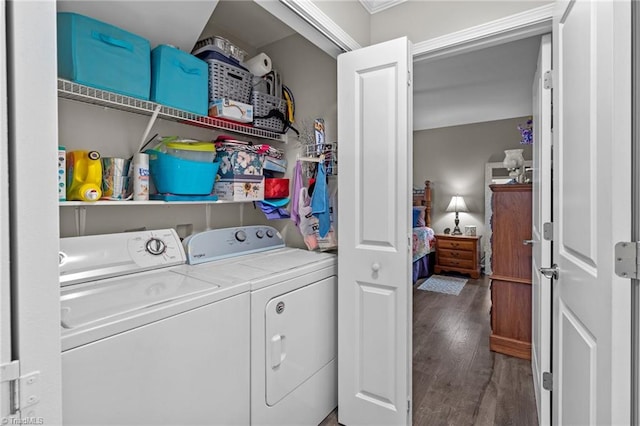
[(456, 379)]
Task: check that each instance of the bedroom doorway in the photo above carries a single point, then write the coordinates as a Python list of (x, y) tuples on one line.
[(470, 301)]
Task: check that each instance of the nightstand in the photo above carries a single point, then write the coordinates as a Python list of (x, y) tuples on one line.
[(458, 253)]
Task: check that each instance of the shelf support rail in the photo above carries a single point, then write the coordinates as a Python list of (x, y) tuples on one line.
[(81, 220)]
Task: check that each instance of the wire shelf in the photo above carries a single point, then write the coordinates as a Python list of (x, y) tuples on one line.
[(78, 92), (330, 153)]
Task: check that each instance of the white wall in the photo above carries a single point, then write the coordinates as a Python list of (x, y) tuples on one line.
[(453, 159), (423, 20)]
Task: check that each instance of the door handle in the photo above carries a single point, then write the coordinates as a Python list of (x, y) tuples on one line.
[(375, 267), (278, 353), (528, 242), (550, 272)]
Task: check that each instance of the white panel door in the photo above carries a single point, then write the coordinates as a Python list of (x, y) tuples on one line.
[(5, 280), (374, 278), (541, 286), (591, 211)]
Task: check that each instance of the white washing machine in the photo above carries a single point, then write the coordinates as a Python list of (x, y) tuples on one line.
[(145, 343), (293, 319)]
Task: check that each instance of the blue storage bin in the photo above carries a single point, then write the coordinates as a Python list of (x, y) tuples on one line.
[(97, 54), (179, 80), (174, 175)]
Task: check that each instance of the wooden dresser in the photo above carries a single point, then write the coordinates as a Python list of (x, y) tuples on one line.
[(511, 266), (458, 253)]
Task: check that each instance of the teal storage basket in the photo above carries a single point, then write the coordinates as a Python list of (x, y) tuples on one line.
[(179, 80), (103, 56), (174, 175)]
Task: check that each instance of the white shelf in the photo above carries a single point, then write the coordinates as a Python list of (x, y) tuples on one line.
[(78, 92), (107, 203)]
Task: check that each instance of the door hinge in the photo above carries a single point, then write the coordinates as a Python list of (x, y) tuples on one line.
[(547, 231), (547, 80), (408, 405), (547, 381), (25, 390), (626, 255), (409, 78)]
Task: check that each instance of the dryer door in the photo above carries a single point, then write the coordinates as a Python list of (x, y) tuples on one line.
[(301, 336)]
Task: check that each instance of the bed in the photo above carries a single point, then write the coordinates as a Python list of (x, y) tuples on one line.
[(423, 235)]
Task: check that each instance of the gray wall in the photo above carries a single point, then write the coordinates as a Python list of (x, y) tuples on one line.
[(311, 74), (453, 159)]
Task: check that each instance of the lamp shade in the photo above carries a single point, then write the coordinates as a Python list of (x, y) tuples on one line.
[(457, 204)]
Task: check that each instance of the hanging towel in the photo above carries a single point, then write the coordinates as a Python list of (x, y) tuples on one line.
[(320, 202), (297, 185)]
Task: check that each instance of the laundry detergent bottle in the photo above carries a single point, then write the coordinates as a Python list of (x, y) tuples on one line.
[(84, 176)]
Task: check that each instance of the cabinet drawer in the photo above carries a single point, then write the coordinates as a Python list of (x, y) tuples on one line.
[(456, 244), (455, 254), (458, 263)]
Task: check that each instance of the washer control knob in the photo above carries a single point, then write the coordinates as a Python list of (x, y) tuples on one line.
[(270, 233), (260, 233), (156, 246), (241, 236)]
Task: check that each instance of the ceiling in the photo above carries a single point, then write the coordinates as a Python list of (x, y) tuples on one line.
[(374, 6), (485, 85), (246, 24)]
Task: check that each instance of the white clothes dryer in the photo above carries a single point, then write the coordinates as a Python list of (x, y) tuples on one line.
[(145, 343), (293, 319)]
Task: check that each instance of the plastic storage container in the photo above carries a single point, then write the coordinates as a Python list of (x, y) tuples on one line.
[(193, 151), (227, 79), (173, 175), (222, 45), (263, 105), (100, 55), (179, 80)]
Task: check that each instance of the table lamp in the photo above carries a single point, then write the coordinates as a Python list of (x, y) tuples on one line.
[(457, 204)]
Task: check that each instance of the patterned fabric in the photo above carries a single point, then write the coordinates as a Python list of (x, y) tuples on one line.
[(234, 162), (424, 242)]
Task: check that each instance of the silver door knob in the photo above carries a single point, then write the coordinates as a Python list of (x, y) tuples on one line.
[(528, 242), (375, 267), (550, 272)]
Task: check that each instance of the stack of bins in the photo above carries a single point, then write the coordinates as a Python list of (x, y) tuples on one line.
[(240, 175), (229, 82)]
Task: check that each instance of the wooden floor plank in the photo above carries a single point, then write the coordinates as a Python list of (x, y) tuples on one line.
[(457, 380)]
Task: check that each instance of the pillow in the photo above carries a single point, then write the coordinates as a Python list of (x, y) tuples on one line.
[(418, 216)]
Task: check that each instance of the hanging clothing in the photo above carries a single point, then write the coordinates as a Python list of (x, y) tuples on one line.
[(320, 202), (308, 223), (297, 185)]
